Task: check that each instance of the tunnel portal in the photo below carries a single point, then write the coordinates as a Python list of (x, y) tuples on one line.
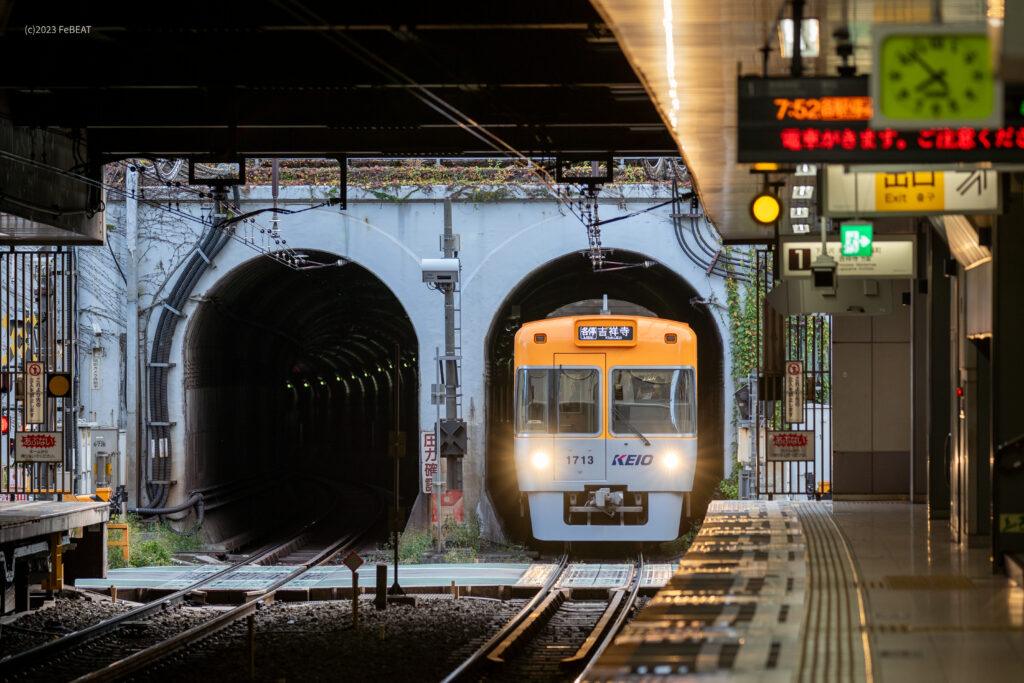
[(289, 383), (561, 287)]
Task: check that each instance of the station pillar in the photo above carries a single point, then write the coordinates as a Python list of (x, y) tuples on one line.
[(938, 360), (1007, 373)]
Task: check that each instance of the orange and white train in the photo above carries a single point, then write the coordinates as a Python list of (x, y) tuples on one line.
[(605, 426)]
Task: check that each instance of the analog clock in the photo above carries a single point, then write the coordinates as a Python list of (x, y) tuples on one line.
[(930, 75)]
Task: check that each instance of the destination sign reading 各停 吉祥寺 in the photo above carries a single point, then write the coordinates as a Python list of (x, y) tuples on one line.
[(825, 119), (604, 333)]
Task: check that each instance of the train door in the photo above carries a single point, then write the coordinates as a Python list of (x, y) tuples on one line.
[(579, 449)]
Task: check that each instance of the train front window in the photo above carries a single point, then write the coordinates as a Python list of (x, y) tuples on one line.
[(532, 405), (654, 401), (577, 409)]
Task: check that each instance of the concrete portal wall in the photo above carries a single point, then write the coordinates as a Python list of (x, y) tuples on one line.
[(871, 403), (502, 243)]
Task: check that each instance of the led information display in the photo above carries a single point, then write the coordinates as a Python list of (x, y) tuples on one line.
[(604, 333), (807, 120)]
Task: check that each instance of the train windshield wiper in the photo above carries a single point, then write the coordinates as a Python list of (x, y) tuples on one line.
[(632, 427)]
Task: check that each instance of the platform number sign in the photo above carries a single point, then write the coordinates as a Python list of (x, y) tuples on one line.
[(799, 259), (856, 239)]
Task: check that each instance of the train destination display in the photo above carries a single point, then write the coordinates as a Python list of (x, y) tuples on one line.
[(806, 120)]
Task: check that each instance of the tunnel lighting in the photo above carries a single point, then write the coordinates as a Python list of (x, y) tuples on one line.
[(765, 208), (306, 384), (288, 385), (670, 460), (323, 383), (337, 378), (540, 460)]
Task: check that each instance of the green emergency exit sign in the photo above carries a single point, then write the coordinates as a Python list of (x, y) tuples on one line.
[(856, 239)]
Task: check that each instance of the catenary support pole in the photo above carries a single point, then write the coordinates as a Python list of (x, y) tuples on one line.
[(132, 333)]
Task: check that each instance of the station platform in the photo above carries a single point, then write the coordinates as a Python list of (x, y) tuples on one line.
[(830, 591), (33, 538)]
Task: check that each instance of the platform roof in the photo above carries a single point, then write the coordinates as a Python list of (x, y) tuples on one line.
[(325, 78)]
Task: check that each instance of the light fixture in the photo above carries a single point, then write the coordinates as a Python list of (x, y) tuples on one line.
[(810, 44), (540, 460), (670, 461)]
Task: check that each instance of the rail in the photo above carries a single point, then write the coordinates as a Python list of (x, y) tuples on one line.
[(46, 652), (143, 658), (477, 658), (605, 639)]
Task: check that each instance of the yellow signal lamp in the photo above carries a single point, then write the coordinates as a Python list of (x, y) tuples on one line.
[(765, 208)]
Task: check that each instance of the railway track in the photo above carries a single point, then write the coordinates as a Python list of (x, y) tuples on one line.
[(145, 635), (555, 636)]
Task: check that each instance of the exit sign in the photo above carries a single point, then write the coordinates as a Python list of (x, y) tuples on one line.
[(856, 239)]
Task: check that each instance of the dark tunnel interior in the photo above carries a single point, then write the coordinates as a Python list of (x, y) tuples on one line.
[(569, 280), (290, 383)]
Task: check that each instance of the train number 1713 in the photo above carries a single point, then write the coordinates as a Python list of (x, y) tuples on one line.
[(579, 460)]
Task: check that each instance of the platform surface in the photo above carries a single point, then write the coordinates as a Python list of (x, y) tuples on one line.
[(822, 591), (20, 520)]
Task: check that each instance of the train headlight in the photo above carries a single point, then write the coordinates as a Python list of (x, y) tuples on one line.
[(540, 460), (670, 461)]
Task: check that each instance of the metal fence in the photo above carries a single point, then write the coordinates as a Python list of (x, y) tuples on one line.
[(37, 388), (806, 339)]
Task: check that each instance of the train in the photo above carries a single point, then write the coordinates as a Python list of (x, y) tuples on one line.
[(605, 426)]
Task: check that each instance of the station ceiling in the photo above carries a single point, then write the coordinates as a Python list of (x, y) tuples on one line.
[(326, 78), (321, 77)]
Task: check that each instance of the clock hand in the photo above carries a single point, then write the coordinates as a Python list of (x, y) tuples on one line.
[(939, 76), (924, 65)]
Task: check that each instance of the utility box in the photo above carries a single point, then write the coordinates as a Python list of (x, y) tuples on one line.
[(103, 444)]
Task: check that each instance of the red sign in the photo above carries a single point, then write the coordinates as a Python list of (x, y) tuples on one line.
[(39, 447), (451, 506), (353, 561), (793, 446)]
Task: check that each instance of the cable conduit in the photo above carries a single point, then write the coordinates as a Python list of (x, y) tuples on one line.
[(207, 249)]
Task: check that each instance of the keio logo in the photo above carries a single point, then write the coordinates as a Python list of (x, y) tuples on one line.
[(632, 459)]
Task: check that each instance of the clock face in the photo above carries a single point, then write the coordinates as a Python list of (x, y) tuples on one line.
[(938, 76)]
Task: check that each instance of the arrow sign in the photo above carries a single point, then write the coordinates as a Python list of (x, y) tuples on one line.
[(856, 238)]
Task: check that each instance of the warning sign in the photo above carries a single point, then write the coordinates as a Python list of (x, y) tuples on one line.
[(794, 386), (35, 392), (792, 446), (39, 447)]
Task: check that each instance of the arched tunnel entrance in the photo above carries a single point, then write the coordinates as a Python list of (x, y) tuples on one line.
[(568, 280), (289, 383)]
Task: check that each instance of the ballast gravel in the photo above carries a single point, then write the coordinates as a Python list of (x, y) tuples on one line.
[(315, 641), (302, 641), (64, 615)]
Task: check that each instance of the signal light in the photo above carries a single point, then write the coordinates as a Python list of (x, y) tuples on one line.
[(959, 391), (5, 424), (765, 208), (58, 384)]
